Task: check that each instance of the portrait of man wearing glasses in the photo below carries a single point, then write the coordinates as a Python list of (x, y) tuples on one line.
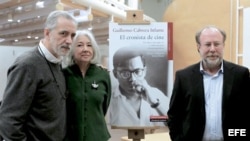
[(134, 101)]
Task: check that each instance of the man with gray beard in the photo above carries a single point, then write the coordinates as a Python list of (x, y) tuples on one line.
[(34, 100)]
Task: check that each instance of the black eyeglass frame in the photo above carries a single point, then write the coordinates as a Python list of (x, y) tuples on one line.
[(126, 74)]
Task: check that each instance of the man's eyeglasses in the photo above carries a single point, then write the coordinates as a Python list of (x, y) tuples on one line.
[(125, 74)]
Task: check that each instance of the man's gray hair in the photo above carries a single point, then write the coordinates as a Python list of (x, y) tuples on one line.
[(198, 34), (51, 20)]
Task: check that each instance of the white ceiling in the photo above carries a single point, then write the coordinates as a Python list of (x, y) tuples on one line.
[(28, 23), (30, 19)]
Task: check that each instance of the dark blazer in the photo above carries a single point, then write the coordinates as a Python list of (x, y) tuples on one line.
[(187, 105), (33, 106)]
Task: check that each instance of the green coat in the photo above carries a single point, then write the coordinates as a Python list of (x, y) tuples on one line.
[(87, 103)]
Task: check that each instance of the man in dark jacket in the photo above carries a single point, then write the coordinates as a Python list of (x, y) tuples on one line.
[(34, 101), (210, 97)]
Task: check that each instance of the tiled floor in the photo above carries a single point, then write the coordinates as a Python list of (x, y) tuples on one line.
[(116, 134)]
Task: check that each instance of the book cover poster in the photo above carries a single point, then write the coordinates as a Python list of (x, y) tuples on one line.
[(138, 69)]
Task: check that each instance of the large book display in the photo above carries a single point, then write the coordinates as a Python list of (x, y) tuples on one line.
[(151, 40)]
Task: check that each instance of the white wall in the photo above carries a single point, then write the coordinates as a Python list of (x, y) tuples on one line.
[(7, 56), (246, 37)]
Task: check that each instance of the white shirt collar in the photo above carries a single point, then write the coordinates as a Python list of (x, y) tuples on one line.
[(202, 69), (47, 54)]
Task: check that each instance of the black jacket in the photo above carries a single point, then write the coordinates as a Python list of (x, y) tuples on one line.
[(187, 106)]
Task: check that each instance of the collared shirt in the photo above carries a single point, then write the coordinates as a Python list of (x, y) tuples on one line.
[(47, 54), (123, 114), (213, 85)]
